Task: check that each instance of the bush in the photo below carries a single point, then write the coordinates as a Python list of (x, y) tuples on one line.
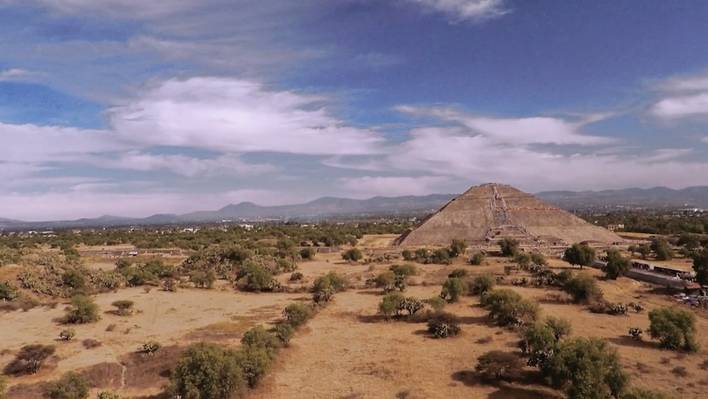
[(70, 386), (404, 270), (107, 395), (307, 253), (29, 359), (476, 259), (538, 259), (296, 314), (700, 266), (255, 362), (440, 256), (457, 248), (586, 368), (443, 325), (436, 303), (539, 343), (674, 328), (583, 288), (257, 277), (67, 334), (452, 289), (259, 337), (391, 304), (326, 286), (284, 332), (509, 246), (124, 307), (458, 273), (385, 280), (150, 348), (507, 307), (482, 284), (297, 276), (74, 279), (616, 266), (580, 255), (497, 365), (408, 255), (208, 371), (560, 327), (523, 259), (352, 255), (203, 279), (82, 310), (662, 249), (639, 393), (7, 292)]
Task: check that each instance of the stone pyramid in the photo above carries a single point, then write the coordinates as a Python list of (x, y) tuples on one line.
[(490, 212)]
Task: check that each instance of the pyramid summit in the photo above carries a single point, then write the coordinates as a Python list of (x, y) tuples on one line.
[(489, 212)]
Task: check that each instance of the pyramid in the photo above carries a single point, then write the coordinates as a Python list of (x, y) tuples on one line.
[(490, 212)]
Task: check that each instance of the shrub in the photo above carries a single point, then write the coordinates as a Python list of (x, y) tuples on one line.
[(539, 343), (7, 292), (523, 259), (208, 371), (583, 288), (352, 255), (586, 368), (29, 359), (538, 259), (662, 249), (257, 277), (497, 365), (458, 273), (452, 289), (481, 284), (436, 303), (385, 280), (391, 304), (259, 337), (67, 334), (563, 277), (91, 343), (150, 348), (440, 256), (639, 393), (404, 270), (457, 248), (70, 386), (74, 279), (579, 254), (297, 276), (82, 310), (107, 395), (560, 327), (203, 279), (308, 253), (284, 332), (443, 325), (507, 307), (124, 307), (297, 314), (326, 286), (476, 259), (674, 328), (616, 266), (700, 266), (509, 246), (255, 362), (408, 255)]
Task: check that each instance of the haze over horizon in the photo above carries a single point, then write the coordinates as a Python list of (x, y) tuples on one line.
[(130, 108)]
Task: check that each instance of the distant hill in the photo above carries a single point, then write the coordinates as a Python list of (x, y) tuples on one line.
[(328, 207), (656, 197)]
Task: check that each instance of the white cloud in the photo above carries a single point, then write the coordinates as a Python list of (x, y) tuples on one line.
[(684, 97), (368, 186), (232, 115), (466, 10), (183, 165), (15, 74)]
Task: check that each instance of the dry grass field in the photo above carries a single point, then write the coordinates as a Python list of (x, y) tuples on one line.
[(347, 350)]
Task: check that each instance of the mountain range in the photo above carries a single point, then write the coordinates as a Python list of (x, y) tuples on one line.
[(331, 207)]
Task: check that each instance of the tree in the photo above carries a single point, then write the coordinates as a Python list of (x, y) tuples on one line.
[(124, 307), (586, 368), (662, 249), (482, 284), (507, 307), (82, 310), (284, 332), (457, 248), (509, 246), (203, 279), (579, 254), (498, 365), (74, 279), (643, 250), (404, 270), (70, 386), (538, 259), (476, 259), (443, 325), (391, 304), (308, 253), (583, 288), (297, 314), (700, 266), (616, 266), (523, 259), (352, 255), (408, 255), (208, 371), (257, 277), (539, 343), (440, 256), (29, 359), (452, 289), (385, 280), (674, 328), (560, 327)]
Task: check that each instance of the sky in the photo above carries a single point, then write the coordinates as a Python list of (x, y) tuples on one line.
[(126, 107)]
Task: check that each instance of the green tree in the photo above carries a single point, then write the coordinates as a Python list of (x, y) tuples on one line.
[(257, 277), (674, 328), (580, 255), (476, 259), (457, 248), (203, 279), (507, 307), (509, 246), (296, 314), (586, 368), (443, 325), (523, 259), (700, 266), (82, 310), (352, 255), (617, 265), (74, 279), (662, 249), (391, 304), (560, 327), (70, 386), (208, 371), (499, 366), (482, 284), (583, 288), (452, 289), (124, 307)]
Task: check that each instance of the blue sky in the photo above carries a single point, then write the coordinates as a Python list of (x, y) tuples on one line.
[(132, 108)]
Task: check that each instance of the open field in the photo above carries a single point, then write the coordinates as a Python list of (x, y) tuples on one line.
[(347, 350)]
